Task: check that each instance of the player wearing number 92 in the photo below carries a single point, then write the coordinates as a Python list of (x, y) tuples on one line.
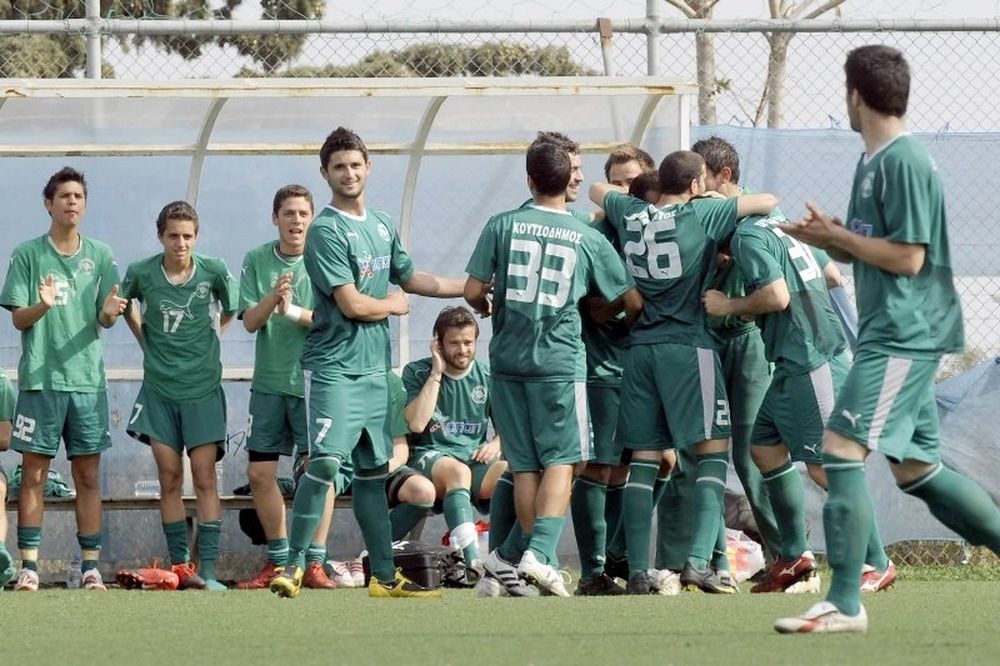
[(187, 301), (670, 249), (544, 261), (58, 287)]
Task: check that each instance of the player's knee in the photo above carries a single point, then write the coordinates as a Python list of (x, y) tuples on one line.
[(87, 479), (260, 475), (418, 490), (817, 474), (170, 482), (324, 469), (204, 480), (458, 476), (597, 472)]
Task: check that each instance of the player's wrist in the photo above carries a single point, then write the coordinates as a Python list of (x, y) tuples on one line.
[(293, 312)]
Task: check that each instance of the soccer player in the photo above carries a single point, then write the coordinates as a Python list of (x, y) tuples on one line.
[(909, 316), (543, 261), (7, 397), (187, 300), (672, 390), (625, 163), (352, 254), (59, 287), (276, 303), (448, 410)]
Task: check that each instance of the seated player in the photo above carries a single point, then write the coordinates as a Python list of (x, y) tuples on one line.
[(187, 301), (448, 410)]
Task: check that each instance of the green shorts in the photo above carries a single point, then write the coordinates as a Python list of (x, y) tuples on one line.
[(42, 418), (747, 373), (672, 396), (8, 399), (277, 424), (349, 418), (796, 409), (887, 405), (423, 461), (179, 425), (604, 403), (541, 424)]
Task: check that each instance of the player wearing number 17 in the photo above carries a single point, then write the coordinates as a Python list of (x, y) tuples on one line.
[(187, 301), (544, 261), (673, 391)]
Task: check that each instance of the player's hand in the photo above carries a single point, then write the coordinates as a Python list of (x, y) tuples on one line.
[(398, 302), (47, 291), (114, 305), (815, 228), (488, 452), (437, 358), (711, 194), (716, 303), (281, 292)]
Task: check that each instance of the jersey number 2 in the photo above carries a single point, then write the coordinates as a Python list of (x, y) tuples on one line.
[(649, 246)]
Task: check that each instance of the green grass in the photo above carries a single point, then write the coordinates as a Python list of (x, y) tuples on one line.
[(919, 622)]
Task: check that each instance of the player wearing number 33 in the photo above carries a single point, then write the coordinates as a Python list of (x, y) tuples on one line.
[(670, 249), (187, 301), (543, 261)]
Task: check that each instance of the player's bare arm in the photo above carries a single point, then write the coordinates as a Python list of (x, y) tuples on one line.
[(24, 318), (599, 310), (362, 307), (435, 286), (599, 190), (134, 322), (224, 321), (477, 295), (420, 410), (755, 204), (772, 297), (113, 307), (632, 303), (255, 317)]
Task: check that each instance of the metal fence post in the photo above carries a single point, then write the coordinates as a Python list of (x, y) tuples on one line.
[(653, 20), (94, 56)]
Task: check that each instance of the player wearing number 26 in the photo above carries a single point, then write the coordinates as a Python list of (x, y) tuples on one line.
[(673, 391), (543, 261)]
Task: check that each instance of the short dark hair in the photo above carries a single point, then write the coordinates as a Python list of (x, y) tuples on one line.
[(549, 168), (341, 139), (176, 210), (881, 76), (64, 175), (289, 191), (454, 317), (626, 153), (557, 139), (718, 153), (643, 183), (678, 169)]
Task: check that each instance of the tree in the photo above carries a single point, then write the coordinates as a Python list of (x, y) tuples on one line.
[(704, 44), (437, 60), (65, 55)]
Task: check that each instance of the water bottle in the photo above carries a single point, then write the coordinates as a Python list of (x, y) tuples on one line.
[(74, 577), (147, 488)]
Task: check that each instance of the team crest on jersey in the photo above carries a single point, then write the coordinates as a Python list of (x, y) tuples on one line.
[(858, 226), (384, 232), (86, 266), (479, 395), (867, 184)]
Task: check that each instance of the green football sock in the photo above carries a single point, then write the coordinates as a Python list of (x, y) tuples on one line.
[(371, 509), (720, 554), (875, 554), (961, 504), (307, 511), (29, 539), (502, 513), (277, 551), (755, 489), (788, 498), (90, 548), (587, 508), (208, 548), (514, 545), (637, 512), (316, 552), (405, 516), (614, 533), (545, 538), (709, 490), (177, 541), (458, 516), (674, 522), (847, 521)]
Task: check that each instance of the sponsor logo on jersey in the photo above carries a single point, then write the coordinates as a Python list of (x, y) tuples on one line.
[(201, 292), (463, 428), (867, 184), (367, 264), (858, 226), (479, 395)]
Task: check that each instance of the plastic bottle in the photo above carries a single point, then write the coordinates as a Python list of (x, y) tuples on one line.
[(74, 577)]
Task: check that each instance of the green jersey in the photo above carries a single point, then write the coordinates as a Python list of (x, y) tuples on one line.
[(671, 253), (897, 195), (462, 414), (807, 333), (364, 251), (605, 343), (544, 262), (62, 350), (180, 324), (397, 406), (276, 367)]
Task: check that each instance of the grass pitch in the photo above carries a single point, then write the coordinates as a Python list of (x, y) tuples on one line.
[(918, 622)]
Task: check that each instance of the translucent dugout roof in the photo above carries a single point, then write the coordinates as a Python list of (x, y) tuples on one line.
[(446, 153)]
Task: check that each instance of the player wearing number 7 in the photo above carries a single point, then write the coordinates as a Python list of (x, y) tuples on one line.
[(59, 287), (544, 261), (187, 300), (673, 392)]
